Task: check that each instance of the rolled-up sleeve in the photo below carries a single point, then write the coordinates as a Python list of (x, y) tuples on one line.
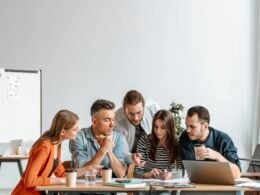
[(121, 148)]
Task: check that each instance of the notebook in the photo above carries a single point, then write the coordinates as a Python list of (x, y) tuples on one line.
[(125, 183), (209, 172), (11, 148)]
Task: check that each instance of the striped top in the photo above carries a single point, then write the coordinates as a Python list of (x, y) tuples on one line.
[(162, 157)]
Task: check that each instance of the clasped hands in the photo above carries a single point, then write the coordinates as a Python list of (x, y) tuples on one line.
[(105, 142)]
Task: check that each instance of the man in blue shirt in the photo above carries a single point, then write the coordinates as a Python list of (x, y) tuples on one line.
[(218, 145), (99, 144)]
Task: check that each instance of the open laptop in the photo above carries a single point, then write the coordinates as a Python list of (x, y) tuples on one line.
[(11, 148), (209, 172)]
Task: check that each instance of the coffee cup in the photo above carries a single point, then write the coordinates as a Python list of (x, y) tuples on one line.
[(71, 177), (197, 149), (19, 150), (106, 174)]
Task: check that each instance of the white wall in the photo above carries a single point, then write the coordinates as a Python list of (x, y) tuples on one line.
[(195, 52)]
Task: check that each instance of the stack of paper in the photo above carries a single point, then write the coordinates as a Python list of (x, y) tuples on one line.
[(129, 184), (250, 184)]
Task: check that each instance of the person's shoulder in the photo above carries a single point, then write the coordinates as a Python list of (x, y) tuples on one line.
[(150, 103), (85, 129), (151, 107), (145, 140), (120, 117), (221, 136), (183, 138), (82, 134), (117, 135), (119, 112), (218, 132), (43, 144), (121, 122)]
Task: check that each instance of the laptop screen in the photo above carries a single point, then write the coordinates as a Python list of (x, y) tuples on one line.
[(209, 172), (12, 147)]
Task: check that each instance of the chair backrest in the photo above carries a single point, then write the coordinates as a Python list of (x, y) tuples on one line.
[(255, 167), (130, 171), (67, 164), (130, 174)]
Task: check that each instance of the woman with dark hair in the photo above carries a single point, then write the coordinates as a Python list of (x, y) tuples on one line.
[(159, 150), (45, 155)]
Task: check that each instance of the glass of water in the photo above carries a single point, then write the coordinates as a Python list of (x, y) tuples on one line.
[(176, 173), (90, 177)]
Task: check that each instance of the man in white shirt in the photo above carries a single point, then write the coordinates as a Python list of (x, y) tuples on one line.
[(134, 118)]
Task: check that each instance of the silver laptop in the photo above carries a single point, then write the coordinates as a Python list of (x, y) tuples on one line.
[(3, 148), (11, 148), (209, 172)]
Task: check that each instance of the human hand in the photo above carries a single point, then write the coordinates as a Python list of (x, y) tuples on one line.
[(100, 138), (99, 172), (107, 143), (57, 180), (136, 157), (165, 175), (198, 149), (155, 173), (208, 153)]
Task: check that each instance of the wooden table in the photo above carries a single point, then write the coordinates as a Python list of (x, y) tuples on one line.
[(206, 189), (252, 175), (201, 187), (14, 158), (81, 187), (99, 187)]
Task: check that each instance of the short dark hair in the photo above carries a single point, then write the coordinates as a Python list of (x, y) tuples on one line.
[(133, 97), (201, 111), (101, 104)]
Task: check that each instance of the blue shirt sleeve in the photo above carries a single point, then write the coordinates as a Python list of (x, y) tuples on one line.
[(120, 149), (79, 151)]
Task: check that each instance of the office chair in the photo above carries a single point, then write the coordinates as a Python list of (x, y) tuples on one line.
[(67, 164), (254, 161), (254, 166), (130, 174)]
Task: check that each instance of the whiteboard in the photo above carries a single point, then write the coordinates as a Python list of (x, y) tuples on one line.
[(20, 104)]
